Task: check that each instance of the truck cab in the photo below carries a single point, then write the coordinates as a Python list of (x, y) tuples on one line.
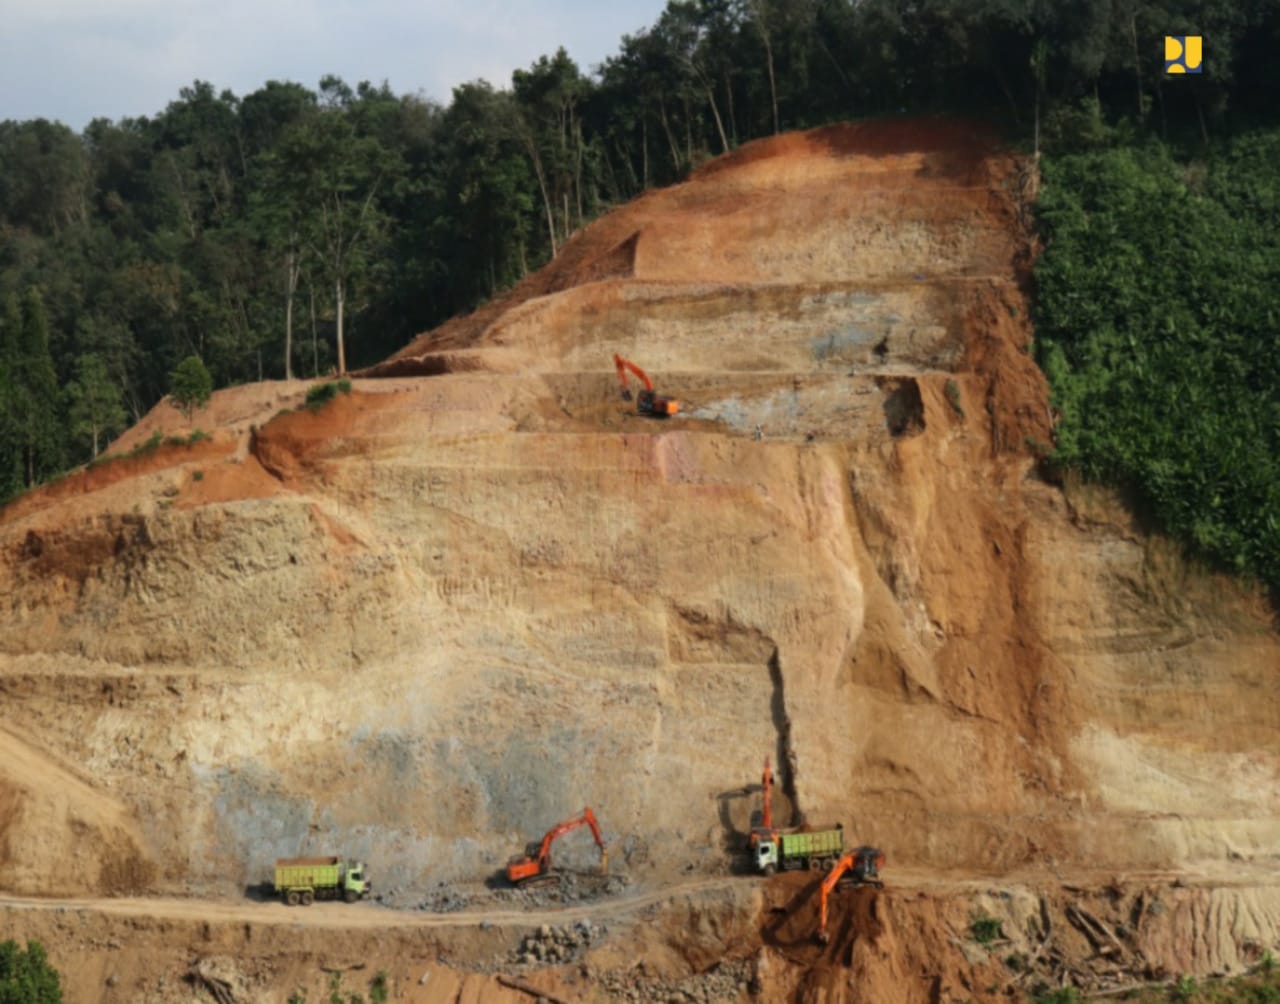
[(766, 855), (354, 884)]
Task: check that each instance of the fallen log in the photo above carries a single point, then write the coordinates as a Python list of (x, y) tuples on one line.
[(511, 983)]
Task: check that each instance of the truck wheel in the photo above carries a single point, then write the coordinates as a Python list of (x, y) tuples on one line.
[(292, 897), (349, 896), (308, 897), (770, 870)]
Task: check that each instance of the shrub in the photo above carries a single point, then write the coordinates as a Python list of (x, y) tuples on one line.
[(26, 977), (322, 393), (984, 930)]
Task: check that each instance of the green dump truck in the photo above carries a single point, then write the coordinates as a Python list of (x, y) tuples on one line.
[(303, 880), (781, 850)]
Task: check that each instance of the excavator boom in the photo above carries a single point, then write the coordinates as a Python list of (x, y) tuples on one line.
[(537, 863)]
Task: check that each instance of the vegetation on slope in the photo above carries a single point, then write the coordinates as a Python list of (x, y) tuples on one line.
[(1158, 311)]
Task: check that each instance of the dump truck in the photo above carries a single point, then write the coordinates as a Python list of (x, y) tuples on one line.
[(303, 880), (817, 850)]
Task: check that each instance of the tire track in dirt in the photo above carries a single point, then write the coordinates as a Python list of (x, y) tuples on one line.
[(333, 915)]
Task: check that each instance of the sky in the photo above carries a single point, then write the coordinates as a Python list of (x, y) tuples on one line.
[(77, 60)]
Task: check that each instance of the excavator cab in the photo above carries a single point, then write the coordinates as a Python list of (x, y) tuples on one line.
[(650, 403)]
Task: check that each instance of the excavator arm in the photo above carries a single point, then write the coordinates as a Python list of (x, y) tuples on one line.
[(765, 830), (865, 863), (626, 364), (537, 863)]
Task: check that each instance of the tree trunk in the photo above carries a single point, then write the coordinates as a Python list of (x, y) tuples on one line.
[(644, 149), (340, 296), (95, 439), (315, 337), (291, 270), (671, 139), (773, 83), (733, 118), (542, 187), (715, 111), (1137, 59)]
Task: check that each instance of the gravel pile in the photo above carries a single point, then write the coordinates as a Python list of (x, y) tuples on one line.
[(726, 982), (556, 945)]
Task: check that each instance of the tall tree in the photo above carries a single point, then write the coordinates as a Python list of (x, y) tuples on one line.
[(93, 402), (337, 175), (36, 395)]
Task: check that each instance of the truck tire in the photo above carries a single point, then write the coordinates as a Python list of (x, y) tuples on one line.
[(349, 896), (770, 870), (292, 897), (307, 897)]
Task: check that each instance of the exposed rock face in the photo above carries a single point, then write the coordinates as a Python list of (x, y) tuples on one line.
[(427, 621)]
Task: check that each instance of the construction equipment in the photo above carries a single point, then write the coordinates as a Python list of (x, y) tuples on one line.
[(789, 849), (862, 867), (765, 830), (303, 880), (774, 849), (647, 401), (534, 866)]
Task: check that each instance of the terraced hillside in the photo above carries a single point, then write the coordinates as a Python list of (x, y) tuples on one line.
[(429, 619)]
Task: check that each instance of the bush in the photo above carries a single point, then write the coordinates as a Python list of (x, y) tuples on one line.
[(1059, 995), (26, 977), (322, 393), (984, 930)]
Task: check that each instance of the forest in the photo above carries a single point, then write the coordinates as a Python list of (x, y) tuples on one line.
[(293, 232)]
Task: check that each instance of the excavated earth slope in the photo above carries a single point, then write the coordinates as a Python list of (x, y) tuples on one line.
[(426, 621)]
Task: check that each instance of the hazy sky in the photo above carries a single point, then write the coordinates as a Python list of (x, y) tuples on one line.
[(75, 60)]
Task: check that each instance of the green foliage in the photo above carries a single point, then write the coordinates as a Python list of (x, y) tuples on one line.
[(336, 992), (190, 385), (94, 404), (953, 397), (151, 444), (1057, 995), (26, 976), (379, 988), (297, 997), (984, 930), (1156, 325), (1184, 989), (322, 393)]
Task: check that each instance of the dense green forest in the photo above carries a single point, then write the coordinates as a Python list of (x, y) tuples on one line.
[(291, 231)]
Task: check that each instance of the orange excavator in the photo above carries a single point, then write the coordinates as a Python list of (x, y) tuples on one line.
[(865, 864), (533, 867), (647, 401)]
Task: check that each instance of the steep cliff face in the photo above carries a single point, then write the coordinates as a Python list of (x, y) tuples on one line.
[(428, 620)]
